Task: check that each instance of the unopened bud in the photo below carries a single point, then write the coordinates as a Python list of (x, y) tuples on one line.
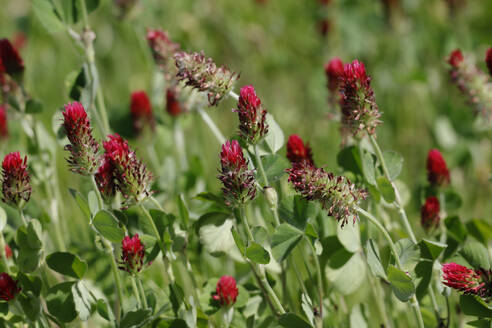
[(271, 196)]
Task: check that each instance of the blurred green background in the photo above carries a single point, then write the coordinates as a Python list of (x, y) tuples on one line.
[(277, 46)]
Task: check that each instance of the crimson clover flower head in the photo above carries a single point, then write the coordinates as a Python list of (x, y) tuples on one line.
[(238, 183), (466, 280), (163, 49), (173, 105), (488, 60), (16, 185), (298, 151), (129, 175), (252, 125), (132, 254), (4, 131), (201, 73), (437, 170), (141, 111), (429, 213), (456, 58), (8, 287), (336, 194), (359, 109), (85, 157), (226, 291), (334, 70), (11, 60)]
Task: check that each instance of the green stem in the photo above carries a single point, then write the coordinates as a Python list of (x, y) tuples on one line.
[(259, 271), (142, 292), (116, 274), (260, 166), (211, 125), (100, 201), (180, 143), (154, 229), (319, 319), (156, 203), (435, 306), (373, 220), (234, 95), (379, 297), (23, 218), (136, 291), (3, 253)]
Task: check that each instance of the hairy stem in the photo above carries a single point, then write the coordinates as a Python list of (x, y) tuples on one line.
[(142, 292), (136, 291), (211, 125), (319, 318)]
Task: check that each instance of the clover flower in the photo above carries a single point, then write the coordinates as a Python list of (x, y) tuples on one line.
[(437, 170), (226, 291), (132, 254), (298, 151), (141, 111), (429, 213), (163, 49), (468, 281), (8, 287), (252, 125), (16, 185)]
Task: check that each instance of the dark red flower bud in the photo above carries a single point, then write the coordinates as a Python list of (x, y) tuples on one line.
[(437, 170), (488, 60), (252, 126), (336, 194), (12, 62), (226, 291), (105, 180), (359, 109), (163, 49), (16, 185), (8, 287), (173, 106), (456, 58), (130, 175), (298, 151), (4, 132), (334, 71), (468, 281), (238, 182), (429, 213), (2, 68), (132, 254), (202, 74), (141, 110), (85, 157), (8, 252)]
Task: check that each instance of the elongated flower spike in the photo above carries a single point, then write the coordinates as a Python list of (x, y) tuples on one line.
[(334, 70), (238, 182), (85, 157), (11, 60), (252, 125), (359, 109), (132, 254), (429, 213), (488, 60), (336, 194), (129, 174), (173, 105), (8, 287), (298, 151), (4, 131), (226, 291), (201, 73), (437, 170), (468, 281), (163, 49), (141, 111), (472, 82), (16, 185)]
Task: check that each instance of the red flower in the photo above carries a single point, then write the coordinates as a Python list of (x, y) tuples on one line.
[(226, 291), (141, 111), (468, 281), (132, 254), (298, 151), (488, 60), (455, 58), (437, 170), (336, 194), (252, 126), (4, 132), (11, 60), (429, 213), (84, 150), (8, 287), (105, 180), (16, 185), (8, 252), (2, 68), (359, 109), (334, 70), (163, 49), (129, 174), (173, 106), (238, 182)]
